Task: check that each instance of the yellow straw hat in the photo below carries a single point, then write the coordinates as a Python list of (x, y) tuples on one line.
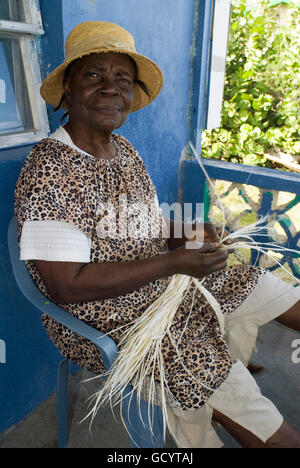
[(94, 37)]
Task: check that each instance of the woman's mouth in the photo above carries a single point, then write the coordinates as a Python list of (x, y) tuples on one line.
[(105, 109)]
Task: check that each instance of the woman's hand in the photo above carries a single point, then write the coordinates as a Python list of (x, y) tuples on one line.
[(211, 232), (208, 233), (199, 262), (189, 233)]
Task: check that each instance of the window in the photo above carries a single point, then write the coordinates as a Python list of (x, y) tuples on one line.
[(23, 115)]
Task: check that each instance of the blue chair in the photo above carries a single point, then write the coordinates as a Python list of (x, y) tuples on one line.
[(139, 432)]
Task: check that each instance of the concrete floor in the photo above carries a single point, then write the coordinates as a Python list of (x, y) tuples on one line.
[(279, 381)]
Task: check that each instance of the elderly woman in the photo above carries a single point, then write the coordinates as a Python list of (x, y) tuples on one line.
[(64, 195)]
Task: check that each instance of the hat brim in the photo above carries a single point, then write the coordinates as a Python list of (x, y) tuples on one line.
[(148, 72)]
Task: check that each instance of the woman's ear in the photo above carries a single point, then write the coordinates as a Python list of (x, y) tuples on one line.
[(67, 92)]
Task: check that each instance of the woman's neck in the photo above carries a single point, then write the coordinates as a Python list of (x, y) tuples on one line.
[(96, 143)]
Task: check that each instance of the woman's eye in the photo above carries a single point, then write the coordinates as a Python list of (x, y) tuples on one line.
[(124, 81)]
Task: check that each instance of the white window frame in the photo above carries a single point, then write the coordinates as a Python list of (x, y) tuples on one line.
[(220, 36), (25, 33)]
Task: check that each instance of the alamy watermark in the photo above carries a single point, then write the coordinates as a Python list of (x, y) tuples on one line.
[(124, 219), (296, 353), (2, 352)]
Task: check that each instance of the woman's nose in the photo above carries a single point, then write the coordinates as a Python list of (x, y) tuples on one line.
[(108, 86)]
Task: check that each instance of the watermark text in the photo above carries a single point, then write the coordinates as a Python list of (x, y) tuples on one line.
[(296, 353), (124, 218)]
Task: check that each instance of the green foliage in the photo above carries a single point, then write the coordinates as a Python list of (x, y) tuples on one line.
[(262, 87)]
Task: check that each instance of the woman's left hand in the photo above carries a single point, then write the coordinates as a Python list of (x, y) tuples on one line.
[(209, 233)]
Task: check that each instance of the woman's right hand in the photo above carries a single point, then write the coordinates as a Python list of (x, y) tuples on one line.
[(199, 262)]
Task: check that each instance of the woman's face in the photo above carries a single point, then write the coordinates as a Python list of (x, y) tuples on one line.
[(100, 89)]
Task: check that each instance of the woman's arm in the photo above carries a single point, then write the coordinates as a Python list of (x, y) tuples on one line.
[(71, 282)]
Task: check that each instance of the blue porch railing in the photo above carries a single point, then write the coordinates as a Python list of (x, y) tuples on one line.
[(270, 187)]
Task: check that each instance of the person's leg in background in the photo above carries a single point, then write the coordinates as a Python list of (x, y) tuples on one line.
[(291, 318), (286, 436)]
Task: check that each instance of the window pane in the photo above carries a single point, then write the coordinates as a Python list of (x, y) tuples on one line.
[(15, 114), (12, 10)]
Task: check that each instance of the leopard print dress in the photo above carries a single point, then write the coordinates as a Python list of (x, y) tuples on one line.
[(60, 183)]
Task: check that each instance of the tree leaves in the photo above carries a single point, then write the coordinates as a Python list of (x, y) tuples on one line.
[(262, 87)]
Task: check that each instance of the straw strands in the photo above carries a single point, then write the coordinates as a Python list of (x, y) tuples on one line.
[(140, 353)]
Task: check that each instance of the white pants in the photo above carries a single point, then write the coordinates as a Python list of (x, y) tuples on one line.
[(239, 398)]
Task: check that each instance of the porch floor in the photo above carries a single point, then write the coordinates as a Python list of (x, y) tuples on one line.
[(279, 381)]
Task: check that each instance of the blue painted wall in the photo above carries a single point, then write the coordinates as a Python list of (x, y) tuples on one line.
[(163, 30), (29, 373)]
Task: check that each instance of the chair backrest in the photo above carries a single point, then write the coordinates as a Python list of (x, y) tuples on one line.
[(106, 345), (21, 274), (139, 433)]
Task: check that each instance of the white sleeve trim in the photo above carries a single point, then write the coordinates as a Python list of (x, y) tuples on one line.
[(54, 241)]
